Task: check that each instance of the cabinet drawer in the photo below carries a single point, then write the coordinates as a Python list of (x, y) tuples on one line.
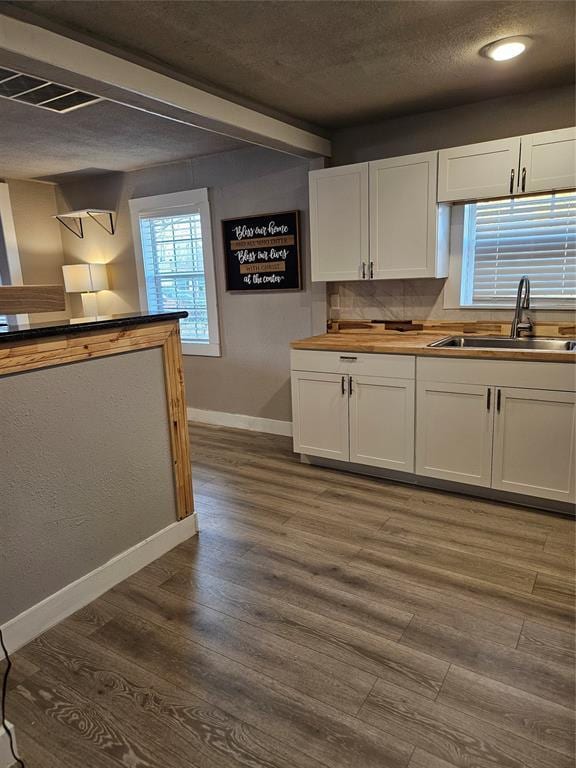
[(360, 363), (504, 373)]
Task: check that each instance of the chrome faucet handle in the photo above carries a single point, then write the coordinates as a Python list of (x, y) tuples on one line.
[(526, 326)]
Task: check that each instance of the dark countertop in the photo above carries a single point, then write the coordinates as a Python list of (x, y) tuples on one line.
[(23, 331)]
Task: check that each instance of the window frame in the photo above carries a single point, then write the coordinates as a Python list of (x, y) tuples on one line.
[(189, 201), (10, 241), (459, 267)]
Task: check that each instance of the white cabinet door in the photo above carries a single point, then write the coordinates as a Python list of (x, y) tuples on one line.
[(534, 443), (339, 222), (320, 414), (478, 171), (403, 218), (548, 161), (382, 422), (454, 432)]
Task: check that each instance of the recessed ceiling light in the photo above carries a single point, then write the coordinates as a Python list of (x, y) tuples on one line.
[(508, 48)]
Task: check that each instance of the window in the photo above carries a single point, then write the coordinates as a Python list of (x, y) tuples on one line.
[(176, 264), (505, 239)]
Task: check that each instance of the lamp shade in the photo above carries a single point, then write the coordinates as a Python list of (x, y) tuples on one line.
[(84, 278)]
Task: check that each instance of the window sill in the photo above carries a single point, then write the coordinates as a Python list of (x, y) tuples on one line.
[(201, 350), (511, 307)]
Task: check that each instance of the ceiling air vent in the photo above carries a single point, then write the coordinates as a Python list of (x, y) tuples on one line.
[(41, 93)]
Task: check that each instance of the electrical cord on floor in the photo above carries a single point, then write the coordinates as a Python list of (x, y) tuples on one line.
[(4, 692)]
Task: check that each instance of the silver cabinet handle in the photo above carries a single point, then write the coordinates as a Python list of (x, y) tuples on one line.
[(523, 179), (343, 384), (371, 270), (349, 386), (488, 398), (363, 270), (498, 400), (512, 174), (348, 357)]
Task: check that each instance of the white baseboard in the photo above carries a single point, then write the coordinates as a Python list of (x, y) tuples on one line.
[(6, 758), (241, 421), (40, 617)]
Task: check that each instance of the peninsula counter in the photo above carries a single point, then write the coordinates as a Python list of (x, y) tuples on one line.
[(95, 477)]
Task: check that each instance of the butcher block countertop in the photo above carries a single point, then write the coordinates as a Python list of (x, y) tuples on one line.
[(386, 338)]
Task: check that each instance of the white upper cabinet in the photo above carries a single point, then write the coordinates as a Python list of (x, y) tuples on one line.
[(548, 161), (339, 222), (405, 240), (478, 171)]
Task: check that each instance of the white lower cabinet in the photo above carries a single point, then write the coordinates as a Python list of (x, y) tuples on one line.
[(382, 422), (488, 423), (360, 410), (320, 414), (454, 432), (534, 437)]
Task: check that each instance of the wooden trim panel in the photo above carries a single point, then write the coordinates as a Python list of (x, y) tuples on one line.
[(64, 349), (178, 422), (21, 299)]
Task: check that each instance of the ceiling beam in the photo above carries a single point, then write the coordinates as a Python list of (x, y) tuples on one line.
[(161, 94)]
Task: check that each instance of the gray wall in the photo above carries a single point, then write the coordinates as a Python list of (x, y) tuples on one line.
[(467, 124), (483, 121), (252, 376), (85, 471)]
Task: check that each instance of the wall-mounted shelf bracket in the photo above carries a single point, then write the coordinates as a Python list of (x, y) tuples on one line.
[(111, 228), (77, 228)]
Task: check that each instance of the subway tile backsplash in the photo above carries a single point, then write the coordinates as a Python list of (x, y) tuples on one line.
[(420, 299)]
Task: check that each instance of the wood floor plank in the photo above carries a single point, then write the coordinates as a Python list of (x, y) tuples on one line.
[(37, 755), (453, 736), (467, 534), (519, 557), (315, 674), (262, 504), (476, 591), (327, 735), (359, 649), (208, 735), (394, 593), (531, 717), (480, 528), (548, 643), (437, 502), (221, 650), (540, 677), (552, 588), (422, 759), (340, 547), (562, 543), (81, 727), (290, 586), (397, 555)]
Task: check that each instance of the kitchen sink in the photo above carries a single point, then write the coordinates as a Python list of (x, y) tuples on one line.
[(502, 342)]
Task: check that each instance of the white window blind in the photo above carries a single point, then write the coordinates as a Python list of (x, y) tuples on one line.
[(174, 270), (505, 239)]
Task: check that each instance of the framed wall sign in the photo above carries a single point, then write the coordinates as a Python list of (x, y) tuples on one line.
[(262, 253)]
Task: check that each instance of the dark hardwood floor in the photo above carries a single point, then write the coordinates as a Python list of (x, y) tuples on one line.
[(320, 619)]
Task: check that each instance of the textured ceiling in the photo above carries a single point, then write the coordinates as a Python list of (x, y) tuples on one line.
[(335, 63), (105, 136)]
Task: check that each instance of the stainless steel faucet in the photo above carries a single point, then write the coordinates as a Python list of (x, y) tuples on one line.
[(522, 302)]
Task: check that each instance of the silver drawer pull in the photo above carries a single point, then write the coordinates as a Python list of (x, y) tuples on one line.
[(348, 357)]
